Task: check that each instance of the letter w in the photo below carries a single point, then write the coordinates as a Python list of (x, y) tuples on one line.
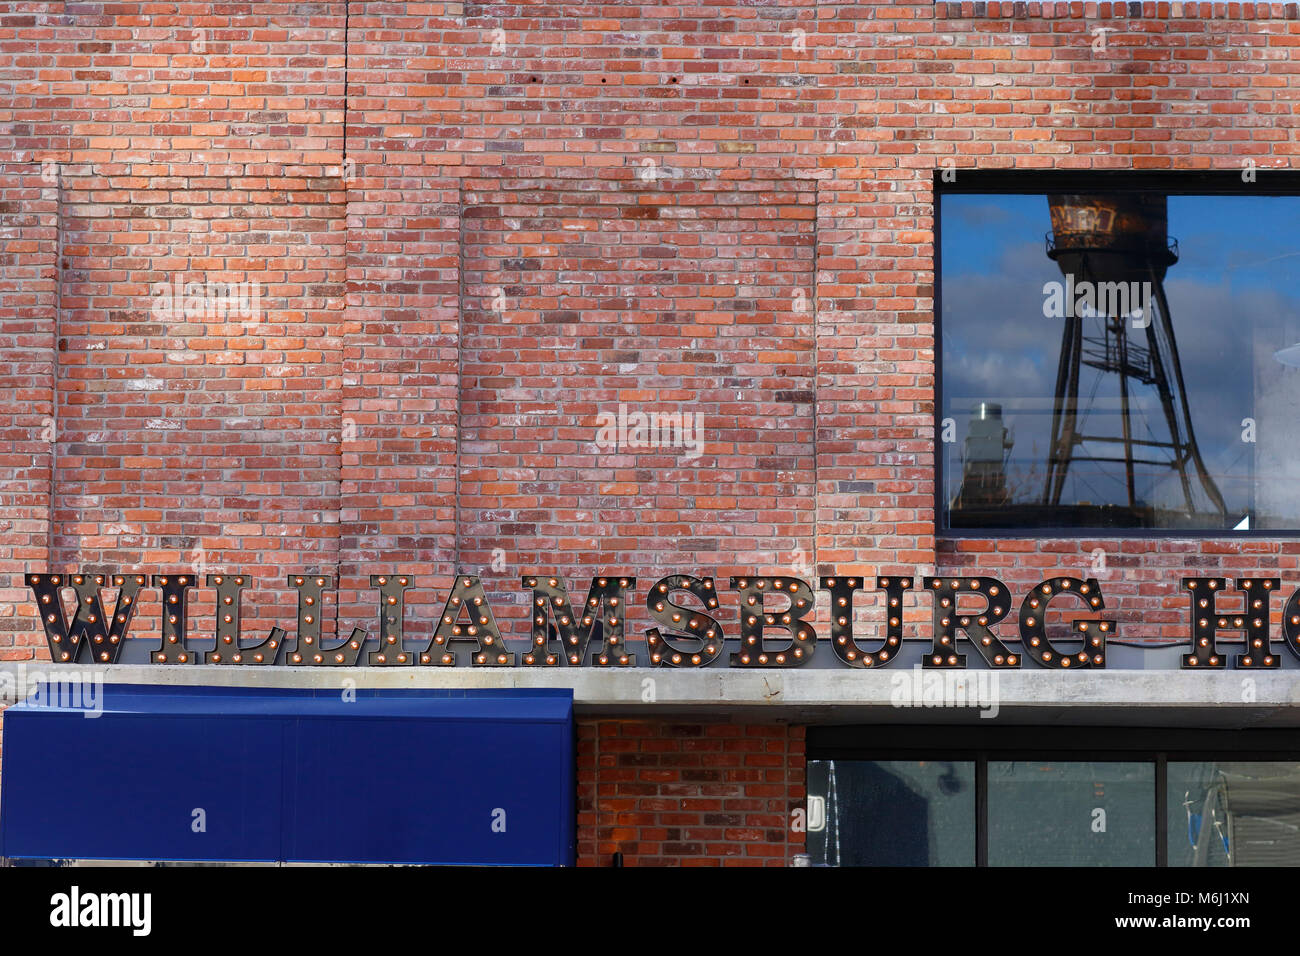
[(86, 636)]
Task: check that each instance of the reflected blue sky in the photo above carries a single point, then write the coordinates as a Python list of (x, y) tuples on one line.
[(1219, 236)]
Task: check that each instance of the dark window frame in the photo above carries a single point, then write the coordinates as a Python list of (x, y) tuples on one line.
[(967, 744), (1268, 182)]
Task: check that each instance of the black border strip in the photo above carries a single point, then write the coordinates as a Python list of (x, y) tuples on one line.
[(936, 741), (1268, 182)]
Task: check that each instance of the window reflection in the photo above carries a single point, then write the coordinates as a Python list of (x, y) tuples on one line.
[(1071, 814), (891, 813), (1234, 814), (1122, 360), (1052, 813)]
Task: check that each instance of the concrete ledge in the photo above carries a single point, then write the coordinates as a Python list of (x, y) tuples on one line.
[(1231, 699)]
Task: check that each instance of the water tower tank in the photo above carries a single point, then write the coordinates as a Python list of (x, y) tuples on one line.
[(1115, 237)]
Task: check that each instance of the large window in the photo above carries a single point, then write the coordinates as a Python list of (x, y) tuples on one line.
[(1234, 813), (1071, 813), (1119, 357), (947, 796), (892, 812)]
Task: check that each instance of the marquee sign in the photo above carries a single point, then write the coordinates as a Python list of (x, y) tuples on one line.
[(592, 633)]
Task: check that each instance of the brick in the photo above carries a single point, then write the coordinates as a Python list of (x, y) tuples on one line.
[(479, 252)]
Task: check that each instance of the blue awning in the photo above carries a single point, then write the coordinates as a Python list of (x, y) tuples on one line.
[(259, 774)]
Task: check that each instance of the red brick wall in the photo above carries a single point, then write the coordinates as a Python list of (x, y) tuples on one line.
[(672, 174), (664, 297), (689, 794), (28, 428), (193, 143)]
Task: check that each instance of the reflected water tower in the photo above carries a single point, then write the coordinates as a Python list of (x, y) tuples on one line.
[(1114, 239)]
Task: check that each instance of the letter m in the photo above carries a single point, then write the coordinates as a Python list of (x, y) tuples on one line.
[(601, 615), (115, 909), (1113, 298), (86, 636)]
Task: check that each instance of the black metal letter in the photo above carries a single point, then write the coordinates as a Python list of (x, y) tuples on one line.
[(702, 633), (551, 599), (753, 618), (1033, 629), (976, 627), (87, 634), (392, 611), (846, 648), (175, 648), (489, 649), (1207, 621)]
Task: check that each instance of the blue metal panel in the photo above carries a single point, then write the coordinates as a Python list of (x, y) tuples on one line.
[(429, 791), (427, 776), (125, 786)]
